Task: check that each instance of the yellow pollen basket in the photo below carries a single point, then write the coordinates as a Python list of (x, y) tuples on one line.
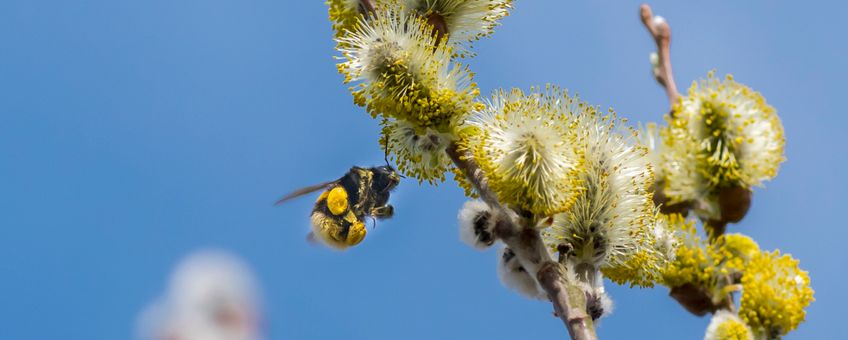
[(356, 234), (337, 201)]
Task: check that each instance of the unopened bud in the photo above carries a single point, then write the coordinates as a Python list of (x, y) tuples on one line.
[(658, 20)]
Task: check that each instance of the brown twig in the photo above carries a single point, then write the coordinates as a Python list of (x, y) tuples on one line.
[(734, 202), (661, 32), (568, 300), (471, 170)]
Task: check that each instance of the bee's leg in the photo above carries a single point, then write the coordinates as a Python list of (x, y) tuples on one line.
[(385, 211)]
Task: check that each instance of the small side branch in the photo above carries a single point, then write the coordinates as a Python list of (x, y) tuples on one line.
[(734, 202), (661, 32)]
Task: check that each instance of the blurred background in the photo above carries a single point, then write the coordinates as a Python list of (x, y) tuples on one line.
[(133, 133)]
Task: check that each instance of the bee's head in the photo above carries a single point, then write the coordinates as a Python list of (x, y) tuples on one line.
[(385, 178)]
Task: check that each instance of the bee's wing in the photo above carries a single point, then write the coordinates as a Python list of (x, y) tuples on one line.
[(313, 240), (304, 191)]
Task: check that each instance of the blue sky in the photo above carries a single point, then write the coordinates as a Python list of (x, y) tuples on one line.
[(133, 132)]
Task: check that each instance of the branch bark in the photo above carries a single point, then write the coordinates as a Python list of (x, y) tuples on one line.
[(661, 32), (568, 300)]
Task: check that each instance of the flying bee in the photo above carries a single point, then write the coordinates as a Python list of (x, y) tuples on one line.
[(338, 218)]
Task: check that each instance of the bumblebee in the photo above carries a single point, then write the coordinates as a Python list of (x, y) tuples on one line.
[(338, 218)]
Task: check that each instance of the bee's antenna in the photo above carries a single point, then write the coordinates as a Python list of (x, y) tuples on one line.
[(386, 149)]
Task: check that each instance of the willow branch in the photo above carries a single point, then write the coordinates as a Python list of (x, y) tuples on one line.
[(568, 300), (574, 315), (661, 32), (521, 237)]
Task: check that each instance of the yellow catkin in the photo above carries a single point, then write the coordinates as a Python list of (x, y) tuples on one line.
[(728, 328), (692, 263), (721, 134), (344, 15), (534, 169), (775, 293)]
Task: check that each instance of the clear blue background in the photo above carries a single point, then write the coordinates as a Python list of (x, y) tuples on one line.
[(133, 132)]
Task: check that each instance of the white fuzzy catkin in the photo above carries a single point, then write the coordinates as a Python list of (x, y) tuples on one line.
[(524, 145), (610, 221), (476, 225), (515, 277), (465, 20), (598, 302), (212, 296)]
